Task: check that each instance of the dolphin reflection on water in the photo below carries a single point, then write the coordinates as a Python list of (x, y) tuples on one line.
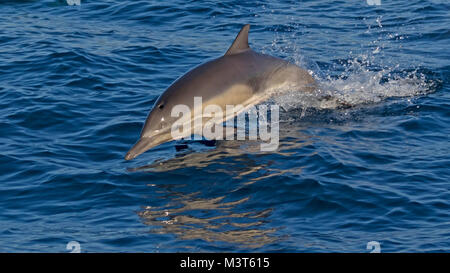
[(191, 209), (240, 77), (178, 218)]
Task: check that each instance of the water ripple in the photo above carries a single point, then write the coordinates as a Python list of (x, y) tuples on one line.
[(364, 158)]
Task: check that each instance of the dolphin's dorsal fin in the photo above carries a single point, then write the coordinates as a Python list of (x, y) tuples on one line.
[(241, 42)]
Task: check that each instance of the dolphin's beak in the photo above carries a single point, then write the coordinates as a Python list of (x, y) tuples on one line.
[(143, 144)]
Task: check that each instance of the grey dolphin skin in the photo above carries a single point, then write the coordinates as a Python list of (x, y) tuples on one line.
[(240, 77)]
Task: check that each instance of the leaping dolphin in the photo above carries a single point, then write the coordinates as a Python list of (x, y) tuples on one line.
[(240, 77)]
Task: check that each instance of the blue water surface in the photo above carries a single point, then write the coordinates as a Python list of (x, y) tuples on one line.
[(77, 82)]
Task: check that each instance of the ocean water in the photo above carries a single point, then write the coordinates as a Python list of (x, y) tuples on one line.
[(365, 158)]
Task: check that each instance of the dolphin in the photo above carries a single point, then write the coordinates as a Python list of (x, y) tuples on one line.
[(240, 77)]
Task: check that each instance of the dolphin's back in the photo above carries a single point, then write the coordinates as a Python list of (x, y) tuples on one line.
[(251, 71)]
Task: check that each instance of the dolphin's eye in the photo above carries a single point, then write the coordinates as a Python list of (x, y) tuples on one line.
[(161, 106)]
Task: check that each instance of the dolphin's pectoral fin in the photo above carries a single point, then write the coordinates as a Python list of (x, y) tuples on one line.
[(185, 145), (241, 42), (181, 147)]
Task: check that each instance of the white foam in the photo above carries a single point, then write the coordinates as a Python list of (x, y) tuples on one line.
[(357, 85)]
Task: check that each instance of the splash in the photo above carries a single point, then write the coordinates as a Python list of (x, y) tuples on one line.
[(358, 84), (366, 78)]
